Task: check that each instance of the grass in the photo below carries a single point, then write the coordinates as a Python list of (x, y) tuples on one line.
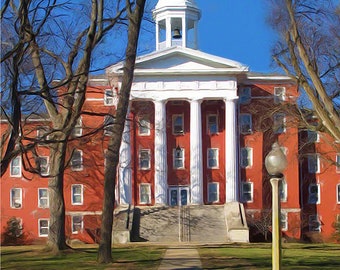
[(258, 256), (140, 256), (126, 257)]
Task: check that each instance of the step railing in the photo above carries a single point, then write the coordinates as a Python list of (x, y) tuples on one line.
[(184, 224)]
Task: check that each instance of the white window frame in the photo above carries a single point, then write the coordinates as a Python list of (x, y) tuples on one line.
[(45, 166), (313, 159), (43, 227), (147, 159), (284, 221), (246, 121), (16, 203), (311, 195), (313, 136), (279, 94), (245, 95), (211, 124), (109, 96), (75, 194), (316, 219), (107, 125), (181, 158), (148, 193), (249, 151), (279, 123), (144, 126), (74, 165), (174, 127), (337, 162), (210, 200), (214, 157), (251, 192), (338, 193), (73, 224), (78, 128), (43, 198), (16, 166), (283, 189)]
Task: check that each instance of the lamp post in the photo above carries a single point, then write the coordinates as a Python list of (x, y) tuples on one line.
[(276, 163)]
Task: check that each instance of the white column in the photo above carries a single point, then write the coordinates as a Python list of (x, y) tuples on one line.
[(196, 167), (125, 171), (161, 181), (231, 156), (168, 33), (157, 36), (184, 32)]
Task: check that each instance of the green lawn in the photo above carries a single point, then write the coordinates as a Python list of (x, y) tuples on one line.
[(140, 256), (258, 256)]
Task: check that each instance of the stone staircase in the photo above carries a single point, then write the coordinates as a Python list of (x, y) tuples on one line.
[(201, 224)]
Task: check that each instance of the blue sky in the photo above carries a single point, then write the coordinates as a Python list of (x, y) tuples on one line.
[(237, 29)]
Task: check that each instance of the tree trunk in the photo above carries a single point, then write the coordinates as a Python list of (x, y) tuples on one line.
[(56, 234), (112, 158)]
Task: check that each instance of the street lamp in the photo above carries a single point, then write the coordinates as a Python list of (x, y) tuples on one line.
[(276, 163)]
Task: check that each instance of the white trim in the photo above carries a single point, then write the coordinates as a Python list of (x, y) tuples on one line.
[(16, 166), (81, 194), (43, 198), (17, 204), (45, 227)]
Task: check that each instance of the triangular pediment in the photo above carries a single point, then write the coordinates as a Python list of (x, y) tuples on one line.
[(182, 60)]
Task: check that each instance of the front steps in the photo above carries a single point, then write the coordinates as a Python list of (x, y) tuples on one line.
[(199, 223)]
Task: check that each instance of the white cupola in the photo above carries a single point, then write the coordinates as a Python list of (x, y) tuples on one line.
[(176, 23)]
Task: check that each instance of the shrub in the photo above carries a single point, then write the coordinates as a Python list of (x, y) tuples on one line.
[(13, 234)]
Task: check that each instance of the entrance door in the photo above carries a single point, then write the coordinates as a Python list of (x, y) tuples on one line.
[(179, 196)]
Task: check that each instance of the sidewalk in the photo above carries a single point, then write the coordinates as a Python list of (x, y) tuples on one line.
[(181, 258)]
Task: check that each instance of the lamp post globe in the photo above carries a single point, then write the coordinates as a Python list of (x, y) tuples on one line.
[(276, 163)]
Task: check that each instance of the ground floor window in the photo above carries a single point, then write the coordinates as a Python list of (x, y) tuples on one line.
[(213, 194), (43, 225), (314, 223), (145, 193), (284, 221), (77, 224)]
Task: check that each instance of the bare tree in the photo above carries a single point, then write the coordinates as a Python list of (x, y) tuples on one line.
[(51, 47), (135, 14), (309, 50)]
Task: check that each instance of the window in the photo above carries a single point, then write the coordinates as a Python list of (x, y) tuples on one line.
[(246, 157), (245, 95), (109, 97), (212, 126), (314, 223), (108, 125), (279, 94), (279, 123), (283, 190), (314, 194), (246, 123), (144, 127), (212, 158), (77, 224), (77, 194), (43, 165), (15, 169), (247, 191), (338, 193), (78, 128), (313, 163), (213, 189), (178, 155), (312, 136), (43, 198), (177, 124), (145, 193), (144, 159), (77, 160), (42, 133), (338, 162), (43, 225), (284, 221), (16, 198)]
